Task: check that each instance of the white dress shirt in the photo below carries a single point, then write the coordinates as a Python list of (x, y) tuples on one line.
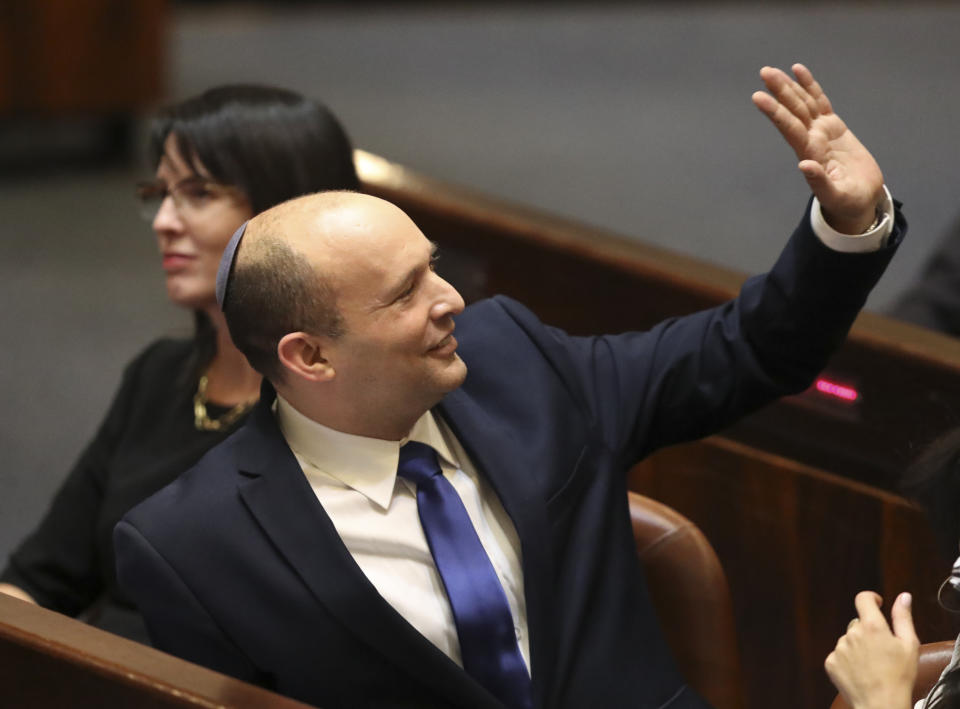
[(375, 513), (871, 240)]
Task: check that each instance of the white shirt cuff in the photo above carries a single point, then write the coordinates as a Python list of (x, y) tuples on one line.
[(872, 240)]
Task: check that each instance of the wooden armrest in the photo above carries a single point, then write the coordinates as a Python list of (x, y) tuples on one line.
[(48, 659)]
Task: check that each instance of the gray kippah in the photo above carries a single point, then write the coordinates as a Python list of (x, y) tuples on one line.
[(226, 264)]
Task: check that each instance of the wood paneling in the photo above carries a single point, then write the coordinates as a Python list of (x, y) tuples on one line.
[(62, 57), (797, 545)]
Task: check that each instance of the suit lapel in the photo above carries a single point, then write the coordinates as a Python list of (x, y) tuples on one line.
[(275, 490), (500, 458)]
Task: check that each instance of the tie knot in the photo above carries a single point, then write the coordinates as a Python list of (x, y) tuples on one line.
[(418, 462)]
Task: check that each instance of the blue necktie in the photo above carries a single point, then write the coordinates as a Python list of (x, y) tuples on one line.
[(480, 609)]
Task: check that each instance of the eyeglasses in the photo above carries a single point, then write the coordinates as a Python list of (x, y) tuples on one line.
[(190, 195)]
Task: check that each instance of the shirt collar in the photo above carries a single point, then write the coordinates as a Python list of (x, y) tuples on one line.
[(367, 465)]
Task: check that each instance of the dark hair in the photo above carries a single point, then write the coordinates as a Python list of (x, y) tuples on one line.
[(274, 292), (271, 143), (933, 480)]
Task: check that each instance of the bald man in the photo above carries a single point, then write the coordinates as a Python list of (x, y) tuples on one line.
[(296, 556)]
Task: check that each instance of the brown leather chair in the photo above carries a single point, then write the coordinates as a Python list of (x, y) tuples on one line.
[(933, 658), (690, 592)]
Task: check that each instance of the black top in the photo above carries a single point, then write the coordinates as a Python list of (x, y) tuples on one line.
[(146, 440)]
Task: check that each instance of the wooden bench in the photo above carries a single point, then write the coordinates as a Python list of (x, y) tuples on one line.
[(50, 660)]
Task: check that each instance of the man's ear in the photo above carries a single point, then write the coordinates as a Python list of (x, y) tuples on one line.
[(302, 354)]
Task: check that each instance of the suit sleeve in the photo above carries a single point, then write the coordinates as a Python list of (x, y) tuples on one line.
[(176, 621), (691, 376)]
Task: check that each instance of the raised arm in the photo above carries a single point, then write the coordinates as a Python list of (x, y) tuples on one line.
[(841, 172)]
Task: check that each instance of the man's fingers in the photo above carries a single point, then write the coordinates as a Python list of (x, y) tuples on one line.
[(806, 80), (903, 619), (764, 101), (812, 87), (790, 127), (789, 93)]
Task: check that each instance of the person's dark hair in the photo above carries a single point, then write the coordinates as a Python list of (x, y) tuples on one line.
[(933, 480), (271, 143), (273, 293)]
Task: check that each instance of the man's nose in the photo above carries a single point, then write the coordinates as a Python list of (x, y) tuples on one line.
[(448, 302)]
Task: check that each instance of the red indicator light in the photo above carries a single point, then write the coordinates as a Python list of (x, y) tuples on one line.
[(837, 390)]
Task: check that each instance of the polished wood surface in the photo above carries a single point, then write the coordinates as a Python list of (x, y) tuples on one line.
[(797, 545), (68, 57), (50, 660), (587, 280)]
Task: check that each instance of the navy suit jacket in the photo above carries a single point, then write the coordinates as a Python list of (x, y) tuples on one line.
[(236, 565)]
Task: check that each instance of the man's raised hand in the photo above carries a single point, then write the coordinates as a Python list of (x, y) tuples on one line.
[(841, 172)]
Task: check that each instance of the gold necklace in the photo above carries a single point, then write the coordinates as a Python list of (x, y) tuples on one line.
[(202, 420)]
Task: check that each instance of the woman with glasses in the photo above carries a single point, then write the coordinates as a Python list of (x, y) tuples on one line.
[(219, 158), (875, 664)]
